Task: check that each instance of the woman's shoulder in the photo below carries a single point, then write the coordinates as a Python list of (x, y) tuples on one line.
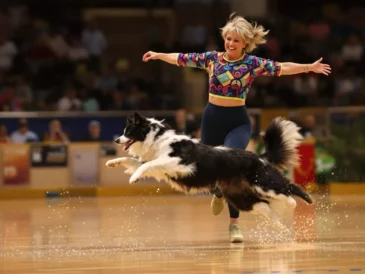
[(250, 57), (214, 55), (255, 57)]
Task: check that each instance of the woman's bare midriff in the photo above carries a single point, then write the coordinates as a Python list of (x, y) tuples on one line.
[(226, 102)]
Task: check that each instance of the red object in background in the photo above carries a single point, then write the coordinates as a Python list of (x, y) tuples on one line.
[(305, 173)]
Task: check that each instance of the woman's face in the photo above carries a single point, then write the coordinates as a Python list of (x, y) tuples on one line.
[(55, 126), (234, 44)]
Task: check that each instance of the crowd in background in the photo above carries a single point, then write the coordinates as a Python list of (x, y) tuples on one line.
[(56, 132), (48, 66)]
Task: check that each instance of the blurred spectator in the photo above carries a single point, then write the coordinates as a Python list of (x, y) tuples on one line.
[(94, 132), (23, 134), (84, 77), (4, 137), (136, 98), (308, 126), (107, 81), (9, 101), (305, 89), (122, 73), (194, 129), (77, 51), (180, 121), (57, 44), (69, 101), (186, 124), (94, 41), (8, 51), (117, 102), (39, 54), (89, 102), (23, 91), (346, 86), (353, 49), (55, 132)]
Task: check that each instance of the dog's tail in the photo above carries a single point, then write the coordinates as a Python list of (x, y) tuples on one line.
[(296, 190), (281, 139)]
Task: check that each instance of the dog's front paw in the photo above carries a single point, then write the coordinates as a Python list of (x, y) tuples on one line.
[(111, 163), (133, 179)]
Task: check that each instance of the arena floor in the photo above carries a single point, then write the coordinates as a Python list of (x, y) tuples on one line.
[(177, 234)]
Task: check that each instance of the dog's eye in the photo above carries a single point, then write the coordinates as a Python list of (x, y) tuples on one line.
[(128, 130)]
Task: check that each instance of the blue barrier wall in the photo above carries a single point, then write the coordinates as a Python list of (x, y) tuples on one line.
[(76, 127)]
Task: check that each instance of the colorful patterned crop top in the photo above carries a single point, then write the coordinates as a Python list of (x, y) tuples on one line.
[(230, 79)]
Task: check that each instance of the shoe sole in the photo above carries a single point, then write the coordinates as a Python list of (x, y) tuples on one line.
[(235, 241), (216, 212)]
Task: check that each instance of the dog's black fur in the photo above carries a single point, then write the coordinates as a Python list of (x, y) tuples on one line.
[(231, 168), (245, 178)]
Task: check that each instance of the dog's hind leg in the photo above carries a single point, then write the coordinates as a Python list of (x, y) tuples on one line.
[(162, 168), (272, 195), (131, 164), (264, 209)]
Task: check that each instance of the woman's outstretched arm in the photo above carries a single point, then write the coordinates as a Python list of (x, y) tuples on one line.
[(166, 57), (288, 68), (193, 60)]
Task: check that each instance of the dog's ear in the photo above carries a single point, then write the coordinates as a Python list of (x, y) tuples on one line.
[(130, 120), (137, 118)]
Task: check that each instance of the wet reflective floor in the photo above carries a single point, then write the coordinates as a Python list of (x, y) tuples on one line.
[(178, 234)]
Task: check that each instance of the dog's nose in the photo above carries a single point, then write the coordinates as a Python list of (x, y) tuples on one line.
[(117, 140)]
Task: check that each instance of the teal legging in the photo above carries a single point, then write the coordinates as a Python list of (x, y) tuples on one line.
[(228, 126)]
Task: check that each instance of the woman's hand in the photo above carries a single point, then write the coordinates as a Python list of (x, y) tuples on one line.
[(170, 58), (151, 55), (318, 67)]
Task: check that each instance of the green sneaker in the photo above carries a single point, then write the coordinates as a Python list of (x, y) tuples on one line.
[(217, 205), (235, 234)]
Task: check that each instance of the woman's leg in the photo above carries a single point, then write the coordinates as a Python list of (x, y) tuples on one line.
[(209, 137), (237, 138), (213, 133)]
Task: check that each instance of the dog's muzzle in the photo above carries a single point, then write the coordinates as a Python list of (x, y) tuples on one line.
[(125, 142)]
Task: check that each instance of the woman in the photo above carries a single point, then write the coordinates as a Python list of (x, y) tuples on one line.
[(55, 133), (225, 119), (4, 137)]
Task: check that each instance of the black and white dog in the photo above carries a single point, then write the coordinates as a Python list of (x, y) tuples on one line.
[(248, 181)]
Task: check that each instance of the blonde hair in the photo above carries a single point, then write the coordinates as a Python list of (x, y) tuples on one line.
[(252, 33)]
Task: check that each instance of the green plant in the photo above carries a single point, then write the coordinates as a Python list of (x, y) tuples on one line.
[(347, 145)]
